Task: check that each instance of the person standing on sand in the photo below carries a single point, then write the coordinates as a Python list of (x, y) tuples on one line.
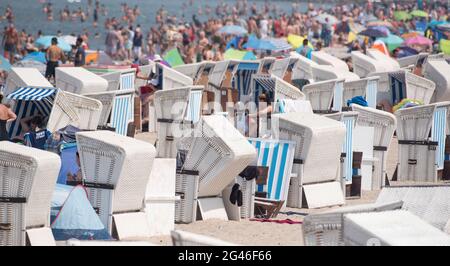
[(80, 54), (10, 42), (53, 56)]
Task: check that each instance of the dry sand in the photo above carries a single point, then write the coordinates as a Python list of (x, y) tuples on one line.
[(248, 232)]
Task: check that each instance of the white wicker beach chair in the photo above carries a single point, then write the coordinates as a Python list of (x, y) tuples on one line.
[(191, 70), (113, 79), (217, 154), (20, 77), (364, 65), (107, 100), (417, 151), (183, 238), (319, 141), (366, 87), (242, 78), (413, 60), (384, 125), (169, 78), (323, 58), (437, 69), (408, 85), (247, 210), (116, 170), (59, 107), (124, 77), (279, 67), (439, 131), (144, 71), (390, 63), (327, 72), (27, 180), (391, 228), (79, 80), (321, 95), (215, 82), (266, 64), (303, 69), (431, 203), (326, 228)]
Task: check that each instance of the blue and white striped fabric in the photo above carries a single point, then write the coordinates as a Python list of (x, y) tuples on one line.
[(371, 93), (243, 77), (398, 87), (278, 156), (127, 81), (29, 102), (122, 113), (194, 106), (438, 134), (337, 96), (348, 147), (263, 83)]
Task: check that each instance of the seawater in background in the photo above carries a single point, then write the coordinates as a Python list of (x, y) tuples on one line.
[(29, 15)]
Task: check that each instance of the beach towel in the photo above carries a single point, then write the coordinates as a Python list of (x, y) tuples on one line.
[(285, 221), (359, 100)]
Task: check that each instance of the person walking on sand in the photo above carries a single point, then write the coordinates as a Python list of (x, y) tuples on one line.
[(80, 54), (53, 56)]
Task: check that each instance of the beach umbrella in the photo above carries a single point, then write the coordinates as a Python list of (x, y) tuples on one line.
[(238, 55), (404, 51), (437, 23), (419, 13), (402, 15), (296, 41), (174, 58), (411, 34), (46, 41), (384, 29), (268, 44), (419, 41), (232, 30), (35, 56), (4, 64), (322, 19), (444, 27), (392, 41), (41, 67), (72, 40), (445, 46), (370, 32)]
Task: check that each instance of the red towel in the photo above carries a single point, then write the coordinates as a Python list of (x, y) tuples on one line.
[(286, 221)]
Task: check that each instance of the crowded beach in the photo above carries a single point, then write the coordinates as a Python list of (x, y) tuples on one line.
[(235, 123)]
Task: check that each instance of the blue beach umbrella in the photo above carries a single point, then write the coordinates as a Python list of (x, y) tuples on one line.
[(36, 56), (4, 64), (233, 30), (46, 41)]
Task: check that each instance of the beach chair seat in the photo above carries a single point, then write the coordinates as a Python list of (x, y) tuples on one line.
[(408, 85), (321, 95), (437, 69), (430, 203), (319, 141), (326, 228), (384, 125), (267, 208), (217, 154), (391, 228), (27, 177), (183, 238), (417, 149), (116, 171)]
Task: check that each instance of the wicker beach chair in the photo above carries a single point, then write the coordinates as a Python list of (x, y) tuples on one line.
[(124, 76), (280, 67), (408, 85), (437, 69), (390, 63), (366, 87), (79, 80), (169, 78), (391, 228), (321, 95), (384, 125), (20, 77), (364, 65), (116, 170), (319, 141), (27, 180)]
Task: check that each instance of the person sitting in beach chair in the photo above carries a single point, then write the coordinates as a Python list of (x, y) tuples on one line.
[(265, 111), (37, 136)]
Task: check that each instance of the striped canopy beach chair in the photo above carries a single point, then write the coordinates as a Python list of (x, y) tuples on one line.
[(116, 170), (59, 107), (27, 181)]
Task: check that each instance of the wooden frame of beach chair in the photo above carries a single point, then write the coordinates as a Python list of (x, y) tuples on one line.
[(183, 238), (384, 124), (437, 69), (61, 108), (321, 95), (28, 177), (391, 228), (326, 228), (319, 141), (274, 154), (408, 85), (116, 171), (417, 150), (24, 77), (79, 80), (430, 203), (217, 154), (366, 87)]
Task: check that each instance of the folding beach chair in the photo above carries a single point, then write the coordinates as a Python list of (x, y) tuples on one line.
[(59, 108), (384, 125), (216, 155), (116, 171), (27, 181), (319, 141)]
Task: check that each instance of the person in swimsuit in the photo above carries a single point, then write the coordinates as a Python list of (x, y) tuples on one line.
[(54, 55), (6, 115)]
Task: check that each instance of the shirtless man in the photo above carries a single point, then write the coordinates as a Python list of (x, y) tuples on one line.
[(10, 42), (54, 55)]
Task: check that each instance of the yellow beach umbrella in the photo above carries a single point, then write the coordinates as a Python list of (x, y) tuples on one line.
[(297, 41)]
